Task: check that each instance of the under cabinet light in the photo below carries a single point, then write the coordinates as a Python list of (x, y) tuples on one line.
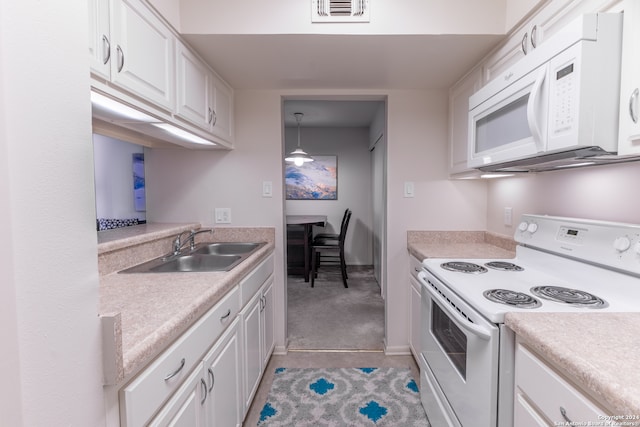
[(495, 175), (119, 108), (187, 136)]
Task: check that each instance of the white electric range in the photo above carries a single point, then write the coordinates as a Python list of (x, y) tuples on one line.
[(561, 265)]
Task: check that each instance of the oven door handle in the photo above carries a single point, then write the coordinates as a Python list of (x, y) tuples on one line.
[(453, 314)]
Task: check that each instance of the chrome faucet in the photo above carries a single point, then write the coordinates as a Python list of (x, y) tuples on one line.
[(178, 245)]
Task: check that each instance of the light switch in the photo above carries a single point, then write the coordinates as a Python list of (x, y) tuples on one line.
[(508, 216), (267, 189), (408, 189)]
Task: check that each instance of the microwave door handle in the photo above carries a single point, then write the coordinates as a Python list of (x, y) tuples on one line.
[(453, 315), (532, 105)]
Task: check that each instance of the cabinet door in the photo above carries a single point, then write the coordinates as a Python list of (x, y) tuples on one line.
[(414, 317), (143, 58), (186, 406), (222, 110), (223, 377), (267, 322), (459, 120), (193, 88), (99, 38), (629, 133), (251, 335)]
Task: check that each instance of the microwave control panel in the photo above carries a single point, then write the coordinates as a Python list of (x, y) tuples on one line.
[(563, 95)]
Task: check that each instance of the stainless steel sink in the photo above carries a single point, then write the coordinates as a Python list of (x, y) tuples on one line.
[(205, 257), (198, 263), (227, 248)]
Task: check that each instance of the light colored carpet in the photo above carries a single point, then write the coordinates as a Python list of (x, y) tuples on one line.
[(332, 317), (343, 397)]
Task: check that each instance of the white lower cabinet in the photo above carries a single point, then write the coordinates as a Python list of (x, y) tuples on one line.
[(257, 332), (414, 307), (543, 397), (211, 395), (209, 375)]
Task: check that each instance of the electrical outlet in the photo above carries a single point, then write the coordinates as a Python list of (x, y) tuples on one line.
[(223, 215), (508, 214)]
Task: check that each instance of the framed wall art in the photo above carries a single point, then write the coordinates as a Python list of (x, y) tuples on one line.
[(317, 180)]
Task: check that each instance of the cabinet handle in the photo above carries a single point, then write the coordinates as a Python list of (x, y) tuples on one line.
[(534, 33), (523, 44), (120, 58), (213, 379), (106, 49), (563, 412), (226, 315), (214, 116), (210, 115), (263, 303), (204, 391), (174, 373), (633, 105)]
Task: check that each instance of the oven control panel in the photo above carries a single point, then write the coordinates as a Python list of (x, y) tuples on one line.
[(606, 243)]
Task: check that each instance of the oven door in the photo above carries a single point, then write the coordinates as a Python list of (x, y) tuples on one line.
[(460, 348)]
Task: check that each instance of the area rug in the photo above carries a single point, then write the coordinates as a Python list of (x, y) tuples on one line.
[(343, 397)]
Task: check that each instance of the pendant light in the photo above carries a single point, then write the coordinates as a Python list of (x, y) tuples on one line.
[(298, 156)]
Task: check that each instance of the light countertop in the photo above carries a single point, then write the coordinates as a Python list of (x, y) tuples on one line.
[(152, 310), (597, 351), (459, 244)]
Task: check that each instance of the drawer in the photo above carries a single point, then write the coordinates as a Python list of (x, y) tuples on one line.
[(549, 393), (250, 284), (143, 396), (415, 266)]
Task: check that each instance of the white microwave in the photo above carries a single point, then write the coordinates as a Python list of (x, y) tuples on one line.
[(559, 103)]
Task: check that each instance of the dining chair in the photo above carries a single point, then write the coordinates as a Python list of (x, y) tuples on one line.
[(332, 236), (330, 251)]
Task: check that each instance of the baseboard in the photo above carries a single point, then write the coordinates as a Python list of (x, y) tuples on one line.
[(401, 350), (280, 350)]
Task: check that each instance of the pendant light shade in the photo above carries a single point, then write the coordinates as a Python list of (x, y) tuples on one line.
[(298, 156)]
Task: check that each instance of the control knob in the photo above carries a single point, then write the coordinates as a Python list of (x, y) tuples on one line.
[(621, 244), (523, 226), (636, 248), (532, 228)]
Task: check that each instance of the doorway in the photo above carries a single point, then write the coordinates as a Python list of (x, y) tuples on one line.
[(329, 316)]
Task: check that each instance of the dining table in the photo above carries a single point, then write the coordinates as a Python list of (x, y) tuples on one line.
[(299, 240)]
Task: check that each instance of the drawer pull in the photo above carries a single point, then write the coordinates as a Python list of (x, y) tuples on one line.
[(226, 315), (174, 373), (213, 379), (563, 412), (204, 391)]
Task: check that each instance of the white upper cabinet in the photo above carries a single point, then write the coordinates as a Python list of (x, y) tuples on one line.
[(222, 99), (138, 59), (99, 38), (194, 88), (629, 132), (142, 59), (459, 121)]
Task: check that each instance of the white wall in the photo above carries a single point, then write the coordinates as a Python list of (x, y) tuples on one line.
[(387, 17), (114, 178), (603, 193), (351, 145), (187, 185), (51, 358)]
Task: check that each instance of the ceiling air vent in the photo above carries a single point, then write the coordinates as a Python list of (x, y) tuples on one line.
[(339, 10)]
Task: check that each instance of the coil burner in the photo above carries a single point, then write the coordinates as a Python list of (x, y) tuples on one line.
[(463, 267), (569, 296), (504, 266), (512, 298)]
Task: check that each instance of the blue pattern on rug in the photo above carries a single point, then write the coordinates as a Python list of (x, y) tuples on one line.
[(322, 386), (413, 386), (336, 397), (373, 411), (267, 411)]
